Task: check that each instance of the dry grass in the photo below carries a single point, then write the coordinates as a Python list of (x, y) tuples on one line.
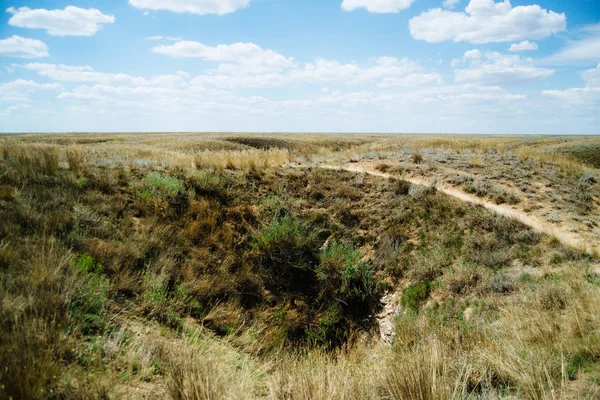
[(196, 268)]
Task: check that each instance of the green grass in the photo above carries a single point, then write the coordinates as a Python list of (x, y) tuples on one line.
[(415, 295)]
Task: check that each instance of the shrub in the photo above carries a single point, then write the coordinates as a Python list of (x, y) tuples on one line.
[(209, 184), (414, 295), (383, 167), (417, 158), (344, 277), (501, 283), (285, 252), (75, 158), (155, 186), (156, 192), (89, 303), (401, 187)]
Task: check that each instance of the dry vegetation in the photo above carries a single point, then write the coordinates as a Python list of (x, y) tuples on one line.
[(205, 267)]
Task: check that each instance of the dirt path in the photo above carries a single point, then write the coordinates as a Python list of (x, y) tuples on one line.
[(566, 237)]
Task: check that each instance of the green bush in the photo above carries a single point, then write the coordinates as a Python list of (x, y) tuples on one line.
[(89, 302), (415, 295), (209, 184), (157, 187), (345, 277), (285, 253)]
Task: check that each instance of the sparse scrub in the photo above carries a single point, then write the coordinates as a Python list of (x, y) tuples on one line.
[(383, 167), (417, 158), (414, 295), (134, 271)]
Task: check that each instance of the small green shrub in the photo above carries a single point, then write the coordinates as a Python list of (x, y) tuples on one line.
[(325, 329), (414, 295), (86, 264), (583, 361), (501, 284), (155, 186), (285, 253), (345, 278), (209, 184), (89, 302)]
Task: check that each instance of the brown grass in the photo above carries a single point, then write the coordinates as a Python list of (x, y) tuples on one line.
[(150, 266)]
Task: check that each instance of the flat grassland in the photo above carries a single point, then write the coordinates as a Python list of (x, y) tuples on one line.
[(299, 266)]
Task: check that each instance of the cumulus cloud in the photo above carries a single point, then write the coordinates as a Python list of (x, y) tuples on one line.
[(70, 73), (383, 71), (412, 80), (377, 6), (72, 21), (525, 45), (586, 96), (200, 7), (20, 47), (592, 77), (242, 53), (496, 68), (584, 49), (451, 3), (20, 90), (159, 38), (485, 21)]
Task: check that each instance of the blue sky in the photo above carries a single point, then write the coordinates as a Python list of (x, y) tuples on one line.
[(448, 66)]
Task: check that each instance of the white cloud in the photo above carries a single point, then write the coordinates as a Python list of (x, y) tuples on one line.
[(69, 73), (377, 6), (20, 47), (485, 21), (242, 53), (474, 54), (585, 49), (496, 68), (323, 70), (159, 38), (451, 3), (72, 21), (383, 71), (525, 45), (592, 77), (20, 90), (587, 96), (412, 80), (201, 7)]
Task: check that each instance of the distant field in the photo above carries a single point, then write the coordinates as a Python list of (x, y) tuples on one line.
[(299, 266)]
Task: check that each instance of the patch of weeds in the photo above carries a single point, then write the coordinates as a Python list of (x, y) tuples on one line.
[(321, 332), (89, 303), (416, 294), (400, 187), (343, 277), (417, 158), (593, 278), (158, 192), (554, 218), (285, 252), (557, 258), (383, 167), (86, 264), (209, 184), (583, 361), (501, 284)]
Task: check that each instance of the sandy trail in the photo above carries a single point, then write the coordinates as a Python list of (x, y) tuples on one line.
[(566, 237)]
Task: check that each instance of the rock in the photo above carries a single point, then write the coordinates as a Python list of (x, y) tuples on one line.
[(468, 314), (387, 316)]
